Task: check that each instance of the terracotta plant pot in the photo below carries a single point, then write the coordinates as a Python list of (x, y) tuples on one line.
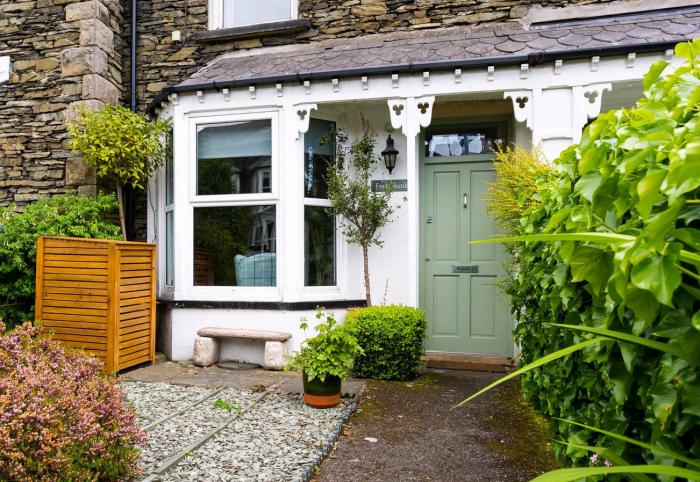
[(322, 394)]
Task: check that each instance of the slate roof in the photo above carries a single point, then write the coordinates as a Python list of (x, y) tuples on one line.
[(449, 46)]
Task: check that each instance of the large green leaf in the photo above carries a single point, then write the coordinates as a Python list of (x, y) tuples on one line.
[(638, 443), (606, 453), (659, 275), (537, 363), (593, 265), (568, 475)]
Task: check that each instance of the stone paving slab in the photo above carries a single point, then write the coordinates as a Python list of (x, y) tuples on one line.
[(210, 377)]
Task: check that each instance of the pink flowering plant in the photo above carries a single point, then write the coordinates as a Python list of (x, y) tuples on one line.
[(61, 418)]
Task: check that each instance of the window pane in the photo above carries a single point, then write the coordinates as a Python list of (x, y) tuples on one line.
[(234, 158), (249, 12), (235, 246), (319, 152), (169, 169), (465, 141), (319, 246), (169, 242)]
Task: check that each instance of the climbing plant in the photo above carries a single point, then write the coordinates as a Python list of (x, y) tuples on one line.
[(605, 288)]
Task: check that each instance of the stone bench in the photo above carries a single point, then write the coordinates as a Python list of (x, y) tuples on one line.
[(206, 345)]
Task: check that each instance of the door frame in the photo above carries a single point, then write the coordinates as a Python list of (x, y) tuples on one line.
[(457, 122)]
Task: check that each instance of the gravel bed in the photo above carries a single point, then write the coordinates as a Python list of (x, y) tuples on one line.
[(155, 400), (279, 439)]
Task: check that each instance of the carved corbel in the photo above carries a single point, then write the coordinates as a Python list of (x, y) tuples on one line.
[(303, 116), (522, 105)]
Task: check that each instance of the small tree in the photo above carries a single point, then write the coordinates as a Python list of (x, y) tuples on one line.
[(363, 212), (123, 146)]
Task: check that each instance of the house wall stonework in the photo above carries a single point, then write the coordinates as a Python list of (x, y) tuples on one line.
[(63, 53), (163, 62)]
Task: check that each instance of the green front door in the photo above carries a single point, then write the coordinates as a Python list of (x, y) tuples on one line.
[(466, 310)]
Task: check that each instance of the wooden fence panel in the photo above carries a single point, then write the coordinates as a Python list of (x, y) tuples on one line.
[(98, 295)]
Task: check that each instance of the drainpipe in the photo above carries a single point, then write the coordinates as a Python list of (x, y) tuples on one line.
[(129, 214)]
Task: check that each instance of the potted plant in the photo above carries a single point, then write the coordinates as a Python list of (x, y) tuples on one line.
[(325, 360)]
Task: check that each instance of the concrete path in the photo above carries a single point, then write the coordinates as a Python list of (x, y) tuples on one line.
[(407, 432), (254, 379)]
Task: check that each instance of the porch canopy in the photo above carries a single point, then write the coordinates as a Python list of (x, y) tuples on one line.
[(418, 51)]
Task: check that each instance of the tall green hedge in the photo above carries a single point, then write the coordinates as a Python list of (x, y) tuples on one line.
[(68, 215), (391, 338), (636, 172)]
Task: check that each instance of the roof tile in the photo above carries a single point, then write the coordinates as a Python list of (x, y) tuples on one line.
[(455, 43)]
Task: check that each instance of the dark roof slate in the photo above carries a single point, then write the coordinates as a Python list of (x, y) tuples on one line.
[(448, 44)]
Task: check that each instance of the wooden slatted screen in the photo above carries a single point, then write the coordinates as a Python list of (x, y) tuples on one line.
[(98, 295)]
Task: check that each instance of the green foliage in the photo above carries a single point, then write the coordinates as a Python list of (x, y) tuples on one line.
[(224, 405), (391, 338), (331, 352), (120, 144), (73, 216), (123, 146), (621, 262), (362, 211), (518, 171)]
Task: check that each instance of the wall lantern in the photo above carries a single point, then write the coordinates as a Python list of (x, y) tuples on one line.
[(389, 154)]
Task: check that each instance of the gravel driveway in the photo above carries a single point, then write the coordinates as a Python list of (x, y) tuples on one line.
[(270, 436)]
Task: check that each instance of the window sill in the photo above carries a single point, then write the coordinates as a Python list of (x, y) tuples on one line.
[(253, 31), (265, 305)]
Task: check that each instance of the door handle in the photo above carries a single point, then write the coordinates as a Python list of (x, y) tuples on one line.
[(465, 200)]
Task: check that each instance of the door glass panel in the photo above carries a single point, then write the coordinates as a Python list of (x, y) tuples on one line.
[(234, 158), (235, 246), (465, 141)]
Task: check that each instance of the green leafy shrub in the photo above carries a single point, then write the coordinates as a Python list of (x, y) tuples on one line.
[(61, 418), (391, 338), (75, 216), (331, 352), (123, 146), (620, 214)]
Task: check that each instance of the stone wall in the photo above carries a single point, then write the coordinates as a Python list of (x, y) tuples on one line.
[(163, 62), (63, 53)]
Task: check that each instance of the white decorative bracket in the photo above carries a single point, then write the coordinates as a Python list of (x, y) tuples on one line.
[(397, 112), (595, 62), (336, 85), (411, 114), (426, 78), (174, 98), (303, 116), (307, 87), (278, 88), (668, 55), (558, 66), (365, 82), (395, 81), (251, 90), (5, 69), (200, 96), (490, 73), (522, 105), (631, 57), (458, 76), (590, 99), (227, 94)]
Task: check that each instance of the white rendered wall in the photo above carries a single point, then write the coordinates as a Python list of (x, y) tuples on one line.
[(181, 324)]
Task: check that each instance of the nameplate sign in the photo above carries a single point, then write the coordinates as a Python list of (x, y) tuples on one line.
[(397, 185), (4, 69)]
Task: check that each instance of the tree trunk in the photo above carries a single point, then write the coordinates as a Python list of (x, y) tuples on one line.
[(365, 256), (120, 201)]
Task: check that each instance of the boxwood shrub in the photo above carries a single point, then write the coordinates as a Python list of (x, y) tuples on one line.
[(392, 340)]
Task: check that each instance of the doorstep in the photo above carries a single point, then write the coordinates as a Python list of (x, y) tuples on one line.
[(468, 361)]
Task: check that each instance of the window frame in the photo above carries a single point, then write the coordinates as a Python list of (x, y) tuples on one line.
[(234, 293), (340, 243), (216, 15)]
